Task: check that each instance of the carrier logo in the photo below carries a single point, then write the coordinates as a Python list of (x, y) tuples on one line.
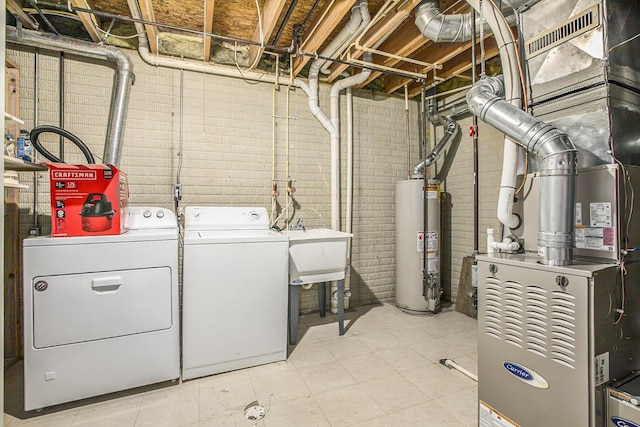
[(621, 422), (526, 375), (41, 286)]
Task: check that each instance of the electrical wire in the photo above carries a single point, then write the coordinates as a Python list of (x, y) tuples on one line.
[(624, 42)]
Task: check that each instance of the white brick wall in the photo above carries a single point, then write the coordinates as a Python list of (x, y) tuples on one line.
[(227, 135), (227, 132)]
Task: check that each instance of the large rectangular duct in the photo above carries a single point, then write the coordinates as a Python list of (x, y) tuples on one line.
[(583, 74)]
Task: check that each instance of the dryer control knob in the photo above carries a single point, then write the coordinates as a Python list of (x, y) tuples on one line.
[(160, 214), (146, 214)]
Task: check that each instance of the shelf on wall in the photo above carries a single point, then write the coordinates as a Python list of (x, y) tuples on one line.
[(13, 164)]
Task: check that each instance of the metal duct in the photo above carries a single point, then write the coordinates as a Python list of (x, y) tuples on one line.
[(557, 157), (451, 131), (124, 78), (458, 27)]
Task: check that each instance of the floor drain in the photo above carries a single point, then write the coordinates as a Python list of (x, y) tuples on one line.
[(253, 411)]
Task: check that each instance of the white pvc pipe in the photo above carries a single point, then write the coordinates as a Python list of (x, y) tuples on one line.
[(349, 213), (362, 9), (513, 92), (451, 364), (508, 185)]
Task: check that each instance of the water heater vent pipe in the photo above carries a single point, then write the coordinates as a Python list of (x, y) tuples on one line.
[(558, 159)]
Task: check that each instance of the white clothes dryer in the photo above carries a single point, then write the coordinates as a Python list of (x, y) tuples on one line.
[(101, 314), (234, 291)]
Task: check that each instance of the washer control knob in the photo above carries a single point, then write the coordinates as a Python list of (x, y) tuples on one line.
[(160, 214), (146, 214)]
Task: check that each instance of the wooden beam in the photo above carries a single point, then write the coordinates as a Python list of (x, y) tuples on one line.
[(377, 32), (152, 31), (15, 7), (270, 13), (208, 28), (323, 29), (405, 41), (88, 20), (460, 65), (435, 53)]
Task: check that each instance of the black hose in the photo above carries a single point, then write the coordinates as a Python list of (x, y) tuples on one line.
[(35, 133)]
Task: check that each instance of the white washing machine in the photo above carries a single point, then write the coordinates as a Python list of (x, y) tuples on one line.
[(234, 290), (101, 314)]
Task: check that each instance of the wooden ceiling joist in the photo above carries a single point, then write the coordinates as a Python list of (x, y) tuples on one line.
[(15, 7), (270, 13), (377, 32), (209, 6), (323, 29), (405, 42), (88, 20), (458, 66), (152, 31), (436, 53)]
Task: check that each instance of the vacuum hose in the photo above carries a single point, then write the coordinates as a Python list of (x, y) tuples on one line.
[(35, 133)]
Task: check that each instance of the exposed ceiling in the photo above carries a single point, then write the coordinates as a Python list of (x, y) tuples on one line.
[(235, 36)]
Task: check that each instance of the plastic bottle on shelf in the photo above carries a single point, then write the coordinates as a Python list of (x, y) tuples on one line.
[(20, 143)]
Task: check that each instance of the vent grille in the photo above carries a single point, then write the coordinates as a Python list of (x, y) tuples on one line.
[(573, 27), (532, 318)]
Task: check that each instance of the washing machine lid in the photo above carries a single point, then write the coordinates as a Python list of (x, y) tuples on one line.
[(225, 218), (203, 237)]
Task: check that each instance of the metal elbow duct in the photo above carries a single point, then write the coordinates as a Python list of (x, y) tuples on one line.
[(557, 156), (451, 131), (123, 80), (439, 27)]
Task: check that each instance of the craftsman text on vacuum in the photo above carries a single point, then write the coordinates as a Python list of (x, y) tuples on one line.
[(77, 175)]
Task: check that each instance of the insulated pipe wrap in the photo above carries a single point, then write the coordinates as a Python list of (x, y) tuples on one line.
[(124, 78), (558, 159)]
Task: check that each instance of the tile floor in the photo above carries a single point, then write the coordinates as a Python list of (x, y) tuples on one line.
[(384, 371)]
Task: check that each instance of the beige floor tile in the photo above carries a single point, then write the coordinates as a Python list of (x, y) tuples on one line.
[(437, 381), (296, 413), (326, 376), (311, 354), (403, 358), (463, 405), (231, 420), (383, 421), (394, 393), (410, 334), (271, 368), (60, 419), (347, 346), (347, 406), (226, 394), (122, 411), (379, 340), (325, 332), (427, 414), (367, 367), (436, 349), (176, 406), (279, 387)]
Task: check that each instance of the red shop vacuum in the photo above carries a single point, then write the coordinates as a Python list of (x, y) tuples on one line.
[(86, 200), (96, 213)]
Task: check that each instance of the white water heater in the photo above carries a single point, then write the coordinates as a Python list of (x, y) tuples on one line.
[(417, 281)]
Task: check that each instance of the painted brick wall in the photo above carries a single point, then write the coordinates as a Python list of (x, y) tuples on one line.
[(227, 145)]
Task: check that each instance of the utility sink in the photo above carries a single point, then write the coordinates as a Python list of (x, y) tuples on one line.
[(317, 255)]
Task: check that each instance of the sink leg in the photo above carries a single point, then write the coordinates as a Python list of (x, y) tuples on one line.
[(322, 298), (341, 306), (293, 314)]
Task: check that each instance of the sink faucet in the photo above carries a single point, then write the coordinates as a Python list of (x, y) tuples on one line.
[(299, 225)]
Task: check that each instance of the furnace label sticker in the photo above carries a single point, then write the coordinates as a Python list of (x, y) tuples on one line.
[(578, 213), (596, 238), (602, 368), (600, 214), (489, 417)]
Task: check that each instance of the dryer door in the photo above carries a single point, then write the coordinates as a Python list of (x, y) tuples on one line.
[(76, 308)]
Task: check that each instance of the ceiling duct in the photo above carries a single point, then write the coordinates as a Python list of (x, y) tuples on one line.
[(123, 80)]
